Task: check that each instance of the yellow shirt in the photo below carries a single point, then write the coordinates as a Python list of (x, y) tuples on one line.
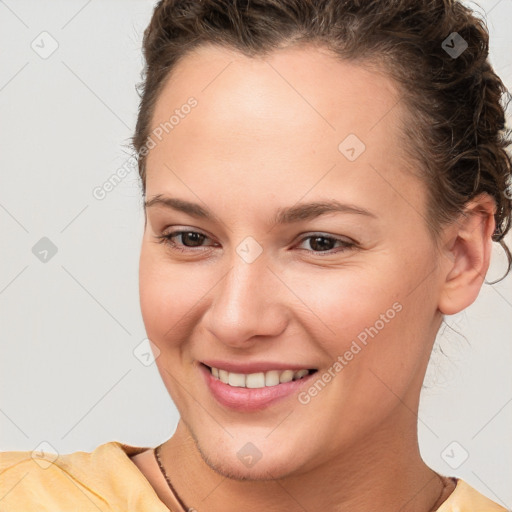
[(107, 480)]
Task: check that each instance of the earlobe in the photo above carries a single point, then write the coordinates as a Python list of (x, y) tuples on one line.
[(467, 255)]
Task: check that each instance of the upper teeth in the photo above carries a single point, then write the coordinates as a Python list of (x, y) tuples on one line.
[(258, 380)]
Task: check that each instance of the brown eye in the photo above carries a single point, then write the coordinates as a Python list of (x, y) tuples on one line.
[(321, 243), (189, 240), (324, 244)]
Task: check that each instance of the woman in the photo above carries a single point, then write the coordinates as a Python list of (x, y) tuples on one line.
[(323, 181)]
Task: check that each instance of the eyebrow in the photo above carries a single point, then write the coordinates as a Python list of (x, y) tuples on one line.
[(286, 215)]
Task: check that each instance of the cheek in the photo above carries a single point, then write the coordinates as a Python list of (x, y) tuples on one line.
[(343, 304), (371, 319), (160, 293), (171, 295)]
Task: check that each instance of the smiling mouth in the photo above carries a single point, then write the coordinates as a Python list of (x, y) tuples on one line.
[(259, 379)]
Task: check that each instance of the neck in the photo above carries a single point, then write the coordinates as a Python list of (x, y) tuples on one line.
[(385, 468)]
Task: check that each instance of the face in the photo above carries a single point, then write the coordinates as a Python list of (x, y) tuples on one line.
[(251, 278)]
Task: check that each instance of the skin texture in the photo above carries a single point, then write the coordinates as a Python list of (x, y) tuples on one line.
[(265, 135)]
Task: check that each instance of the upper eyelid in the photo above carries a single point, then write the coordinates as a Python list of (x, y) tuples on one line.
[(177, 232)]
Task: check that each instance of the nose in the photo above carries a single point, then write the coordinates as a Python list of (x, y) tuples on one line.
[(247, 304)]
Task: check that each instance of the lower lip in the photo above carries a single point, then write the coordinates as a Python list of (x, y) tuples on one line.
[(250, 399)]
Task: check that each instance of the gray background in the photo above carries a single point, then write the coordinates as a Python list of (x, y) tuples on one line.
[(71, 371)]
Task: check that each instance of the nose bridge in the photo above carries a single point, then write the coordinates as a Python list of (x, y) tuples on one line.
[(245, 302)]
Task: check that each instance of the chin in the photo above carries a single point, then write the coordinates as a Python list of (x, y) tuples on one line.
[(227, 459), (232, 468)]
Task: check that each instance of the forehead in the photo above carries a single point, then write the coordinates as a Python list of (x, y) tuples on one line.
[(296, 86), (289, 117)]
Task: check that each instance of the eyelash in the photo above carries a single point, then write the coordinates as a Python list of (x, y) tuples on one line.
[(167, 240)]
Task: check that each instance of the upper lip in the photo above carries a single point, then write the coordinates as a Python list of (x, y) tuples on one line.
[(254, 366)]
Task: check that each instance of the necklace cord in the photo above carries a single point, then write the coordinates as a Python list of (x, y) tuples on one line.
[(157, 456), (436, 505), (440, 500)]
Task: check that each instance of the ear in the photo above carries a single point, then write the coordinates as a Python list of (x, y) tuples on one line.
[(467, 247)]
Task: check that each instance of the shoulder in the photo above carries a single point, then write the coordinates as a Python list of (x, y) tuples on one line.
[(467, 499), (103, 479)]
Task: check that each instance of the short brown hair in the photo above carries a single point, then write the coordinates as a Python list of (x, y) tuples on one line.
[(455, 126)]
